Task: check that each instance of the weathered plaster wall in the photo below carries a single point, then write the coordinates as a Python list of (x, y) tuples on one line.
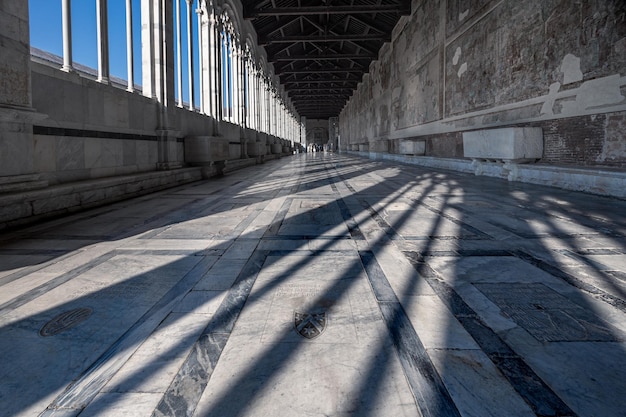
[(457, 65)]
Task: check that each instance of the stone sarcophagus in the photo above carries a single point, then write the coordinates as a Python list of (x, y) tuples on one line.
[(412, 147), (511, 144)]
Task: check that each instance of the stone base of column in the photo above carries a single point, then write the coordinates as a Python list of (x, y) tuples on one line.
[(168, 150), (165, 166)]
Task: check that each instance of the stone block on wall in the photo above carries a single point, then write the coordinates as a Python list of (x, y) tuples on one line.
[(277, 148), (514, 144), (205, 149), (412, 147), (255, 149)]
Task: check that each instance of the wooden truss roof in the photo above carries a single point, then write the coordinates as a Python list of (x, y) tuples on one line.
[(320, 49)]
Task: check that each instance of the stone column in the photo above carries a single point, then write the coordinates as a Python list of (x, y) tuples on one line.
[(179, 56), (224, 81), (235, 78), (253, 111), (102, 27), (274, 115), (16, 112), (267, 110), (66, 16), (303, 131), (190, 56), (201, 54), (244, 91), (221, 68), (219, 94), (130, 58), (261, 104), (158, 75), (211, 59)]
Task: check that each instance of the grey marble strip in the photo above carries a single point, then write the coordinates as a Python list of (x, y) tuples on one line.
[(33, 268), (353, 227), (189, 383), (431, 237), (81, 133), (479, 234), (310, 252), (28, 252), (348, 186), (582, 257), (53, 283), (183, 394), (82, 391), (428, 389), (227, 313), (351, 224), (380, 285), (593, 251), (461, 253), (243, 225), (304, 237), (272, 230), (614, 301), (96, 238), (170, 252), (536, 393), (481, 252)]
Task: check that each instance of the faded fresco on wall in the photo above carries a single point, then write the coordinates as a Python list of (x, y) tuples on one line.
[(470, 64)]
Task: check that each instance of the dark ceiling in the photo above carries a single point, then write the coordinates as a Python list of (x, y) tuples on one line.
[(320, 49)]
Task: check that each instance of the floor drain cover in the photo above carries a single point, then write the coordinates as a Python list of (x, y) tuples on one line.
[(65, 321)]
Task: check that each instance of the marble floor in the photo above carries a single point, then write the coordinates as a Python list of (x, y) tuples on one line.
[(320, 285)]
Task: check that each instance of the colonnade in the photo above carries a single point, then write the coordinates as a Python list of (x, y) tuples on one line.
[(234, 85)]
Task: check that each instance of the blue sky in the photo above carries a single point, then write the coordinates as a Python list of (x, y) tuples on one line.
[(46, 33)]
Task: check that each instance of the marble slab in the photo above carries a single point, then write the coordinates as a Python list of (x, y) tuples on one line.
[(154, 364), (268, 368), (464, 370)]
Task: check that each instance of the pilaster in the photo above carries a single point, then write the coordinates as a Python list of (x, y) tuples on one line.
[(157, 40), (16, 112)]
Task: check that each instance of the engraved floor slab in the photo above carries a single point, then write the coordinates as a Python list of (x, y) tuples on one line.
[(546, 314), (269, 368)]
